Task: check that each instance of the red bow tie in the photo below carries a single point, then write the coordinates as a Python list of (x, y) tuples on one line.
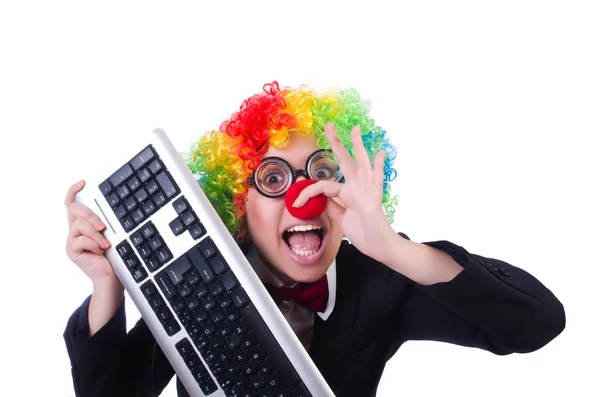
[(311, 295)]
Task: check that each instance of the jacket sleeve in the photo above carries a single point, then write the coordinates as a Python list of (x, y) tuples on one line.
[(113, 362), (490, 305)]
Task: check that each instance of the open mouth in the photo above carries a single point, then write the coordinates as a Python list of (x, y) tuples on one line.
[(304, 240)]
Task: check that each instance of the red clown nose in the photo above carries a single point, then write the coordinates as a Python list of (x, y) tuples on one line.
[(313, 207)]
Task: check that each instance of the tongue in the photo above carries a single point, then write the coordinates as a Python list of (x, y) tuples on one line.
[(304, 240)]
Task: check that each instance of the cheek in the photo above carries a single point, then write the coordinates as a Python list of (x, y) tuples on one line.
[(262, 216)]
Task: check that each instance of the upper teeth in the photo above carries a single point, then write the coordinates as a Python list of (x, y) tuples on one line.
[(303, 228)]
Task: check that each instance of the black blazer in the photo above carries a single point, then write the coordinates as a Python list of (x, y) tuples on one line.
[(490, 305)]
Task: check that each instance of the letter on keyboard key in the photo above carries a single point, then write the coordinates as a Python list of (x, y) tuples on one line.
[(177, 269), (207, 246), (239, 297), (121, 175)]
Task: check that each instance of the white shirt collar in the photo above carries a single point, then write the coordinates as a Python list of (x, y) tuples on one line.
[(268, 277)]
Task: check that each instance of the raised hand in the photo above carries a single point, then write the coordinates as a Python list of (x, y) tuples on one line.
[(355, 204)]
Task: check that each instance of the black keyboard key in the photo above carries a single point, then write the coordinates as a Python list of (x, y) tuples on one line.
[(265, 367), (208, 303), (155, 243), (224, 302), (300, 391), (194, 330), (148, 289), (138, 216), (148, 230), (144, 175), (241, 356), (163, 314), (192, 303), (152, 187), (215, 342), (232, 315), (256, 353), (148, 207), (164, 255), (207, 328), (218, 264), (166, 184), (177, 304), (153, 263), (192, 277), (141, 196), (184, 347), (200, 290), (229, 281), (249, 369), (180, 205), (258, 381), (224, 354), (124, 249), (241, 328), (130, 204), (217, 289), (172, 327), (159, 199), (184, 290), (156, 302), (127, 224), (208, 387), (270, 345), (105, 188), (242, 381), (164, 283), (201, 266), (137, 238), (120, 212), (273, 380), (139, 274), (239, 297), (192, 361), (197, 230), (144, 251), (185, 317), (207, 247), (144, 157), (155, 166), (177, 227), (201, 342), (200, 374), (234, 342), (209, 356), (113, 199), (200, 316), (249, 341), (233, 392), (188, 218), (233, 368), (176, 270), (123, 192), (131, 262), (226, 383), (216, 316), (121, 175), (133, 183)]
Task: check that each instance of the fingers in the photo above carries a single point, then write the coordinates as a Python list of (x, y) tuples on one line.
[(83, 243), (347, 165), (327, 188), (362, 157), (378, 175), (78, 210), (73, 190), (334, 210), (81, 227)]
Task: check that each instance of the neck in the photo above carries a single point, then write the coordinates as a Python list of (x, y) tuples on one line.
[(285, 279)]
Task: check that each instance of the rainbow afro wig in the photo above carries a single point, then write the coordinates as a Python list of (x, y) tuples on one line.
[(222, 160)]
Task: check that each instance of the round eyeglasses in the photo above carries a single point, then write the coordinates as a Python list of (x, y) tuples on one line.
[(274, 175)]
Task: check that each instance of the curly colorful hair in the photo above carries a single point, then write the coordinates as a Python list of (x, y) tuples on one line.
[(222, 160)]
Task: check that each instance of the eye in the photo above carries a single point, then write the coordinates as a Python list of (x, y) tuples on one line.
[(323, 173), (272, 179)]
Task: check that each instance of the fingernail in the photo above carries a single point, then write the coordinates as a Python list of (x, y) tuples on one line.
[(105, 243), (99, 225)]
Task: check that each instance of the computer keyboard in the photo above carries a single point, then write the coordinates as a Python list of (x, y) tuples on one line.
[(195, 289)]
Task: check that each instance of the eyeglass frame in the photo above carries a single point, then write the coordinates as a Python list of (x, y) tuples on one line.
[(295, 173)]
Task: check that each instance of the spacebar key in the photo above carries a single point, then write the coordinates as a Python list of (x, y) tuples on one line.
[(270, 345)]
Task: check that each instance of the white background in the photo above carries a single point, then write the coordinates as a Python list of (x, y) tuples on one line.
[(493, 106)]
